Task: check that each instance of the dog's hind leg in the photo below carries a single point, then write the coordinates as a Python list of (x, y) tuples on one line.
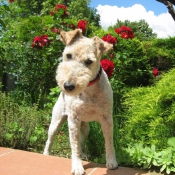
[(58, 118)]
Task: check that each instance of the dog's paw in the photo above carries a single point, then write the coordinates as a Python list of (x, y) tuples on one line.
[(46, 152), (78, 171), (77, 168), (112, 164)]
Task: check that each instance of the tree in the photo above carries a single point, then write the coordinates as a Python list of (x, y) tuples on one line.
[(141, 29), (169, 4), (83, 12), (29, 7)]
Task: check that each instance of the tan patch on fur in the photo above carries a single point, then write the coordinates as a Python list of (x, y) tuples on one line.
[(102, 47), (69, 37)]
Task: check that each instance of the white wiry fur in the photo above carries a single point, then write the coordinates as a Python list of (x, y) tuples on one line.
[(82, 103)]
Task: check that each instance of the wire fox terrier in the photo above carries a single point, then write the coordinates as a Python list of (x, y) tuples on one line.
[(86, 96)]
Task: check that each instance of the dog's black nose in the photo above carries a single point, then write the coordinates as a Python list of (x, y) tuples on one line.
[(69, 86)]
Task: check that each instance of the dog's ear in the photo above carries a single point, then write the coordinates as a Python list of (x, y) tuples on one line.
[(102, 47), (70, 36)]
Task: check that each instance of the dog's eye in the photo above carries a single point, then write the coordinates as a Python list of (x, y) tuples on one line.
[(69, 56), (88, 62)]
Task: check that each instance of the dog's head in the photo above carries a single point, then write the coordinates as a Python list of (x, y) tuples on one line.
[(81, 61)]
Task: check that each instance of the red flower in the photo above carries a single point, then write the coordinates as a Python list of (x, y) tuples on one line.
[(55, 30), (66, 13), (112, 55), (124, 35), (72, 26), (125, 28), (60, 133), (110, 39), (82, 24), (60, 6), (118, 30), (155, 72), (131, 35), (51, 13), (40, 41), (10, 1), (125, 32), (108, 66)]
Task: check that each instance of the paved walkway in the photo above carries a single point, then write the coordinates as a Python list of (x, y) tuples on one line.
[(17, 162)]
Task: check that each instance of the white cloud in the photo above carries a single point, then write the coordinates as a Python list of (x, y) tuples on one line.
[(163, 24)]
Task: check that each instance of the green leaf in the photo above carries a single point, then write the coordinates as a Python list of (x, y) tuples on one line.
[(2, 23), (6, 7), (33, 139), (155, 163), (171, 141), (9, 136), (168, 170), (163, 168), (153, 148), (20, 130), (57, 37), (146, 165), (173, 169), (15, 125), (118, 55)]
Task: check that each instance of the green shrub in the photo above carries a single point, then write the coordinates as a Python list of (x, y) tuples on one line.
[(32, 69), (149, 113), (161, 53), (21, 126), (132, 66)]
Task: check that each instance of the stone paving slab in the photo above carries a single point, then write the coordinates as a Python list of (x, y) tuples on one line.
[(17, 162)]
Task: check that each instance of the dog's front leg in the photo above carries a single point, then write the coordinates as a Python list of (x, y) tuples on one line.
[(74, 134), (58, 118)]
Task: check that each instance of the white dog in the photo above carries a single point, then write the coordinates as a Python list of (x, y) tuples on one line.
[(86, 96)]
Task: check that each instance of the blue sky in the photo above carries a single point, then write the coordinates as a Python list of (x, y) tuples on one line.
[(154, 13), (150, 5)]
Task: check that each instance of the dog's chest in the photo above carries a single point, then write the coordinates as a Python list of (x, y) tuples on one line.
[(85, 106)]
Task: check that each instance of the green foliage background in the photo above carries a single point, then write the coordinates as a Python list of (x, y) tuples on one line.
[(144, 106)]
